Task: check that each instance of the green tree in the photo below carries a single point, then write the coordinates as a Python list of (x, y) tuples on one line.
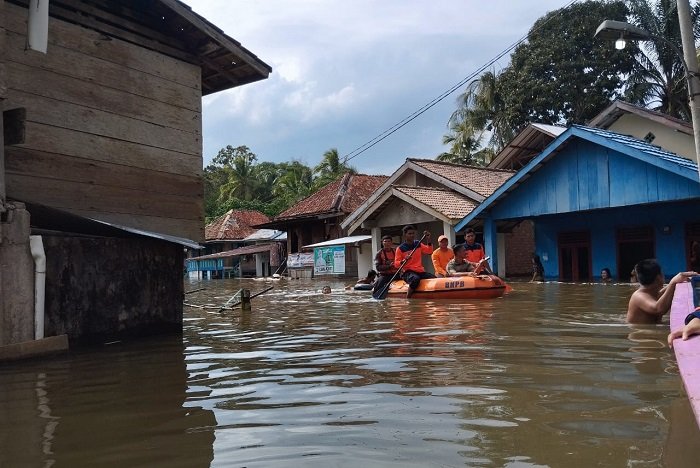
[(330, 168), (559, 76), (294, 183), (657, 79), (238, 165)]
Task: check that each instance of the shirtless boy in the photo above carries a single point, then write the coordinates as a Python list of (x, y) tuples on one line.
[(652, 301)]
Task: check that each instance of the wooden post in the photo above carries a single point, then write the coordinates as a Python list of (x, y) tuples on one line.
[(245, 299)]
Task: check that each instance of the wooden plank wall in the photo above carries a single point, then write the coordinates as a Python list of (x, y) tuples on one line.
[(113, 130), (3, 92), (586, 176)]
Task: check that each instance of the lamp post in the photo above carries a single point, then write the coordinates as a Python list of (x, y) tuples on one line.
[(620, 32)]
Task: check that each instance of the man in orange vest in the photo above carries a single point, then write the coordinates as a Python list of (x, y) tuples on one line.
[(412, 271), (441, 256), (384, 264)]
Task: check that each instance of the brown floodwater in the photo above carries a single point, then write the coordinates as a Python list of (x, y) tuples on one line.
[(549, 375)]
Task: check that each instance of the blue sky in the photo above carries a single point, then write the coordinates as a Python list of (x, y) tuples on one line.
[(345, 71)]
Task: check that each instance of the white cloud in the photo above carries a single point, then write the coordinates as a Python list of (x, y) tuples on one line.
[(346, 70)]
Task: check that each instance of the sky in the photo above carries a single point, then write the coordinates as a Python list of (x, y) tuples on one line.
[(345, 71)]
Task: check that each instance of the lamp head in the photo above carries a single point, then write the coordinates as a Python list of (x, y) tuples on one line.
[(620, 31)]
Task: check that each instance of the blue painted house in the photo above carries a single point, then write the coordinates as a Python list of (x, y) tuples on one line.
[(598, 199)]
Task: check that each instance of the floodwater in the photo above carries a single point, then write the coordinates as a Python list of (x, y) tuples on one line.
[(549, 375)]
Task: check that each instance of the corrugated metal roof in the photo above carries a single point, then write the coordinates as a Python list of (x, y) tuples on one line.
[(248, 249), (641, 145), (339, 241)]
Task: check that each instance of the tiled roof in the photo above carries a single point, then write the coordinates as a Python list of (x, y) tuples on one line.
[(641, 145), (234, 225), (482, 180), (342, 195), (448, 202)]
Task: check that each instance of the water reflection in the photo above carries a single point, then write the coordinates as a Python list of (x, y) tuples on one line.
[(120, 405), (549, 375)]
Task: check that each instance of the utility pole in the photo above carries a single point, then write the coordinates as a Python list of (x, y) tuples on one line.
[(691, 61)]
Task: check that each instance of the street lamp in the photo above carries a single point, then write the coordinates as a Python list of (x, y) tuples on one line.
[(620, 32)]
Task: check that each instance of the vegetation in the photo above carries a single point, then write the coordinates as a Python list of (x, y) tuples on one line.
[(236, 180), (657, 79), (559, 76)]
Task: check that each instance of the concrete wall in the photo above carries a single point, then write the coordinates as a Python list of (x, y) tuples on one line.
[(16, 278), (666, 137), (103, 287)]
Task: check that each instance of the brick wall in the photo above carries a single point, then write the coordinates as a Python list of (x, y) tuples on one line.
[(520, 244)]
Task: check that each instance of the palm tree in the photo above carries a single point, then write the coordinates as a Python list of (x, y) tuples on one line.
[(330, 168), (481, 110), (658, 78), (240, 181), (465, 146), (294, 183)]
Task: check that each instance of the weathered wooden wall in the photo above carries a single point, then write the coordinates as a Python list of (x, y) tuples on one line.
[(101, 287), (113, 130), (587, 176)]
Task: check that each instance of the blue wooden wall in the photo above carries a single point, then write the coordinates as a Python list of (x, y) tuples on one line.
[(602, 224), (586, 176)]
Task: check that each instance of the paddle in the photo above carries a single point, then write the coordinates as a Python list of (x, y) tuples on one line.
[(380, 295)]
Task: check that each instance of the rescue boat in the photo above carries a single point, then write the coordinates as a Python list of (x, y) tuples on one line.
[(456, 287)]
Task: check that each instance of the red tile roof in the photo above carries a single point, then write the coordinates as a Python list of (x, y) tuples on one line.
[(343, 195), (451, 204), (482, 180), (234, 225)]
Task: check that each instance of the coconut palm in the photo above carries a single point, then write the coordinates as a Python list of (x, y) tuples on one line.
[(658, 78), (464, 144), (481, 109), (294, 183), (330, 168), (239, 169)]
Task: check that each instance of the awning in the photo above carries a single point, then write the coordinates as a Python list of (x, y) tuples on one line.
[(340, 241), (247, 250)]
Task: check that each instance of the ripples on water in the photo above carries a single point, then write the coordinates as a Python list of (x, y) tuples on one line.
[(547, 376)]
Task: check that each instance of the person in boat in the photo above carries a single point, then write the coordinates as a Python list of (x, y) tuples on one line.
[(475, 251), (692, 327), (412, 272), (537, 269), (441, 256), (605, 275), (384, 263), (366, 283), (459, 265), (652, 301)]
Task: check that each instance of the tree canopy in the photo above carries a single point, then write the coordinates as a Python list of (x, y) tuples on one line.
[(236, 180), (561, 75)]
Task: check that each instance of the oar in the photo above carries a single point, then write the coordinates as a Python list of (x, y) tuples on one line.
[(385, 290)]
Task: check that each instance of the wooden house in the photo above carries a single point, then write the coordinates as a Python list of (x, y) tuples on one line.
[(107, 125), (599, 199), (233, 247), (435, 196), (318, 217)]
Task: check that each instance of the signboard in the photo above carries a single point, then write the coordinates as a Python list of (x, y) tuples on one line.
[(329, 260), (300, 260)]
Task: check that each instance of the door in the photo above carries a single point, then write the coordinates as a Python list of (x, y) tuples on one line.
[(692, 242), (633, 244), (575, 256)]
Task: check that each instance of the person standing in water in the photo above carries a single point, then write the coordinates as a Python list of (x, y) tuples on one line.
[(652, 301)]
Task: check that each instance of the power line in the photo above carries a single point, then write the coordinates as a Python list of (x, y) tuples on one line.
[(406, 120)]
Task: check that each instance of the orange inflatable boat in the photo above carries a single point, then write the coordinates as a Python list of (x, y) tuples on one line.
[(456, 287)]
